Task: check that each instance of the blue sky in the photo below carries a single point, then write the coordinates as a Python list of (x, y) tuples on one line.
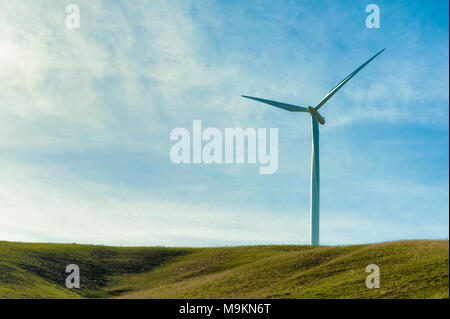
[(86, 116)]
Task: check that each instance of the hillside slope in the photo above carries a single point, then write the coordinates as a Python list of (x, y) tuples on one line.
[(408, 269)]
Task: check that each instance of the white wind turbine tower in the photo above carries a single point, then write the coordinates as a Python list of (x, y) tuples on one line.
[(315, 119)]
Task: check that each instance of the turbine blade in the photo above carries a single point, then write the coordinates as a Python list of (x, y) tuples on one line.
[(289, 107), (341, 84)]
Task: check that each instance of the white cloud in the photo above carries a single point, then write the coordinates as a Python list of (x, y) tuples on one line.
[(134, 71), (35, 207)]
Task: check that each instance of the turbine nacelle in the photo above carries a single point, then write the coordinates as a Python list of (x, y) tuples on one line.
[(316, 114)]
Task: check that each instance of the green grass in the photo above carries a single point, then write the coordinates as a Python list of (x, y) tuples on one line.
[(408, 269)]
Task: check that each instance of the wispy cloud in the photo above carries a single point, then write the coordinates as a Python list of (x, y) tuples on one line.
[(86, 115)]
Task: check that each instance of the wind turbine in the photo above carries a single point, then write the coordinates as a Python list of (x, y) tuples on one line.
[(315, 119)]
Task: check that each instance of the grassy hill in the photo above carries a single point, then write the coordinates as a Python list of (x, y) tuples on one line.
[(408, 269)]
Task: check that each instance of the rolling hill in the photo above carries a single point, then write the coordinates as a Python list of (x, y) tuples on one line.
[(408, 269)]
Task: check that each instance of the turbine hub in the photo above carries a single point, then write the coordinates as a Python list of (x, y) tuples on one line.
[(316, 114)]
